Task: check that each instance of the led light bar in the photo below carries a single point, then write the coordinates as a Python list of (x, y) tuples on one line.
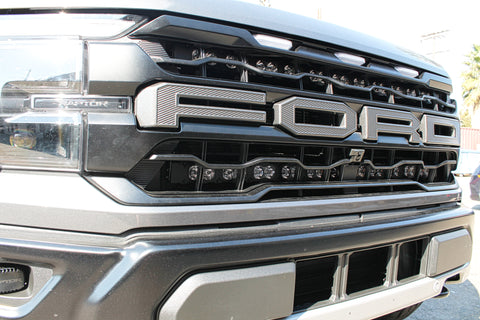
[(185, 175), (350, 58), (407, 72), (274, 42)]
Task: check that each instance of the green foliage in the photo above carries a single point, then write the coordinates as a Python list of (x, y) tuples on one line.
[(465, 118), (471, 79)]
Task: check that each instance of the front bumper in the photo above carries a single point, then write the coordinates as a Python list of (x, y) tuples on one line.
[(135, 275)]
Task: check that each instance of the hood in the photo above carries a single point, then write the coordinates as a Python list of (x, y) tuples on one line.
[(255, 16)]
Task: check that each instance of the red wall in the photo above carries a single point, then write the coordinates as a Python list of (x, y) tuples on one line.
[(470, 139)]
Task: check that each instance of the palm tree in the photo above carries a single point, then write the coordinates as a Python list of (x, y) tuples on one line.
[(265, 3), (471, 79)]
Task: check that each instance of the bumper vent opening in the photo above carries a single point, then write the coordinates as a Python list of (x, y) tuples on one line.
[(411, 254), (314, 281), (338, 277), (367, 269)]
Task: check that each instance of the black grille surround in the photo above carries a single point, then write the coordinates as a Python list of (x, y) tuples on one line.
[(196, 168)]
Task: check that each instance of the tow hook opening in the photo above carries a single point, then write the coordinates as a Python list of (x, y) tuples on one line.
[(445, 293)]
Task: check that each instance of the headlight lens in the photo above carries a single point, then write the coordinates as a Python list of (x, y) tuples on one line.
[(41, 86), (43, 138), (42, 101), (85, 26), (38, 67)]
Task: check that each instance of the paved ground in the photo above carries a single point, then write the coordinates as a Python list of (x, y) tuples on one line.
[(464, 300)]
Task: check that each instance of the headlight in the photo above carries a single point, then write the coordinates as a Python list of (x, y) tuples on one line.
[(84, 26), (41, 140), (42, 86), (36, 138)]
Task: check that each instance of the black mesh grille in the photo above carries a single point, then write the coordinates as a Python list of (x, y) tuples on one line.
[(193, 166), (283, 71)]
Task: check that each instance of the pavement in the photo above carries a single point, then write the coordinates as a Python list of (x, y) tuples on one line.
[(464, 300)]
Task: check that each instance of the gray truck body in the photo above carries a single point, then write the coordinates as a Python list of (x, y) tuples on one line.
[(183, 168)]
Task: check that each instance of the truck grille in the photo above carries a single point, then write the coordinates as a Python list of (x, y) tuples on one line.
[(263, 171)]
